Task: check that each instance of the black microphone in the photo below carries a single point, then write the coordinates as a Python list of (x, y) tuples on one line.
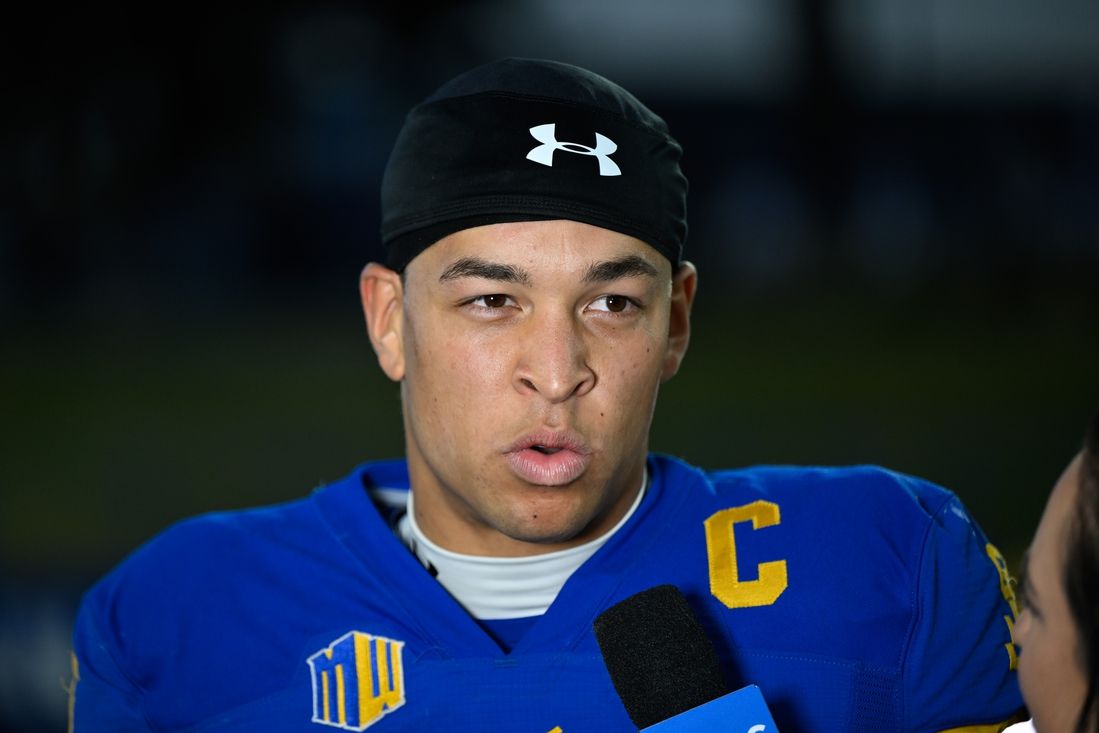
[(663, 665)]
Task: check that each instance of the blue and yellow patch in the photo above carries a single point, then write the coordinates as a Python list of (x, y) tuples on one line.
[(357, 679)]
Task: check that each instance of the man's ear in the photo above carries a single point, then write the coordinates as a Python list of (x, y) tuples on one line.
[(684, 283), (382, 294)]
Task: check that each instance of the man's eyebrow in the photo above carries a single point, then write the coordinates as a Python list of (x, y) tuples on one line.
[(476, 267), (627, 266)]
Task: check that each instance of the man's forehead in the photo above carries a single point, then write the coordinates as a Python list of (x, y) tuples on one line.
[(515, 251), (629, 265)]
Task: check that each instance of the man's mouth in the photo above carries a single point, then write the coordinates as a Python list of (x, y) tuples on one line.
[(549, 458)]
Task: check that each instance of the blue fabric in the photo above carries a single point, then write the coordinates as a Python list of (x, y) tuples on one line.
[(507, 631), (892, 618)]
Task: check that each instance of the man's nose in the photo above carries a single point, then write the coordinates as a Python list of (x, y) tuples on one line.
[(555, 361)]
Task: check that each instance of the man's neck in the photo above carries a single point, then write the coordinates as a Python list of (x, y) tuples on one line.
[(504, 587)]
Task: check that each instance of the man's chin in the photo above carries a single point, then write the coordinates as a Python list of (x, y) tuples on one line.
[(542, 536), (538, 537)]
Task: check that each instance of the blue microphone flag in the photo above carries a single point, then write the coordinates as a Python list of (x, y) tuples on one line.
[(743, 711)]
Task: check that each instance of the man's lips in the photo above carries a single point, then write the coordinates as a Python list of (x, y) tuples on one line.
[(549, 458)]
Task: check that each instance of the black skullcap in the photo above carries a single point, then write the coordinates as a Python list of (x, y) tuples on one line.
[(526, 139)]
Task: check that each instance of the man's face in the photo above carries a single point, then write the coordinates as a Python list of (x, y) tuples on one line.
[(530, 355)]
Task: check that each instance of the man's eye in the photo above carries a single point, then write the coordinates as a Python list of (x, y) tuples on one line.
[(495, 300), (612, 303)]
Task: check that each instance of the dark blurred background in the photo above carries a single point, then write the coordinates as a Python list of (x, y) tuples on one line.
[(894, 208)]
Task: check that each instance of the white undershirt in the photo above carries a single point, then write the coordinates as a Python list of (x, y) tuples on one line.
[(503, 587)]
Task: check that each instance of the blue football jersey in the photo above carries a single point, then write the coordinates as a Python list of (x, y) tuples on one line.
[(857, 599)]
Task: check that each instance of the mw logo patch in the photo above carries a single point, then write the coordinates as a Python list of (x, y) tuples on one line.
[(357, 679)]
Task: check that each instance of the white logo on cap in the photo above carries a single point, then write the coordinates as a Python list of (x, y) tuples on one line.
[(546, 134)]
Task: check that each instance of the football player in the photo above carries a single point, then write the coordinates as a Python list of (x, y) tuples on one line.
[(533, 300)]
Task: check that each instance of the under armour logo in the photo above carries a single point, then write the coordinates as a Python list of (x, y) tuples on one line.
[(543, 153)]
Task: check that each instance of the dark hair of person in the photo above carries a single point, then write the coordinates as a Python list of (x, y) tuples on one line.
[(1082, 575)]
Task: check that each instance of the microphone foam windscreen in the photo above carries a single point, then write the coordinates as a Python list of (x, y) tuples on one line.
[(658, 655)]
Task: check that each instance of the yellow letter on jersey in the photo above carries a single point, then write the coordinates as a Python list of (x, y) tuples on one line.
[(725, 581), (1007, 589)]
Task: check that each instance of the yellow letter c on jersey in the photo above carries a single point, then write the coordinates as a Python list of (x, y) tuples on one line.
[(725, 582)]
